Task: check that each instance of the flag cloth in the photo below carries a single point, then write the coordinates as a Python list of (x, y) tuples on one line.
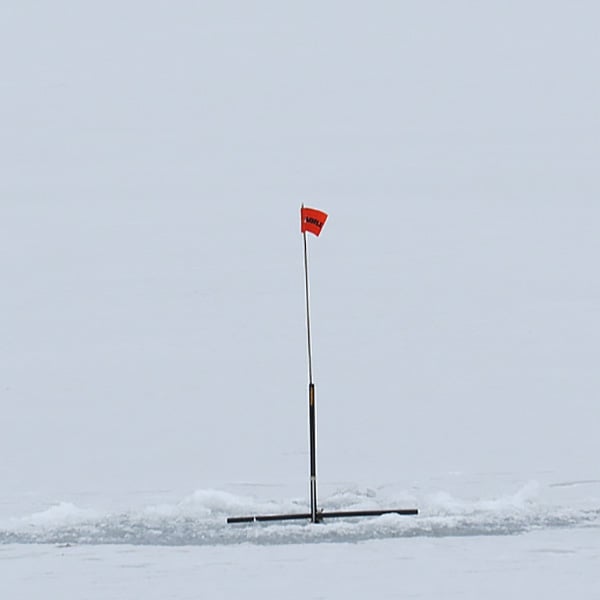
[(312, 220)]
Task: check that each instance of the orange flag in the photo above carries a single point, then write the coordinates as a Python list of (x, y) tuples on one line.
[(312, 220)]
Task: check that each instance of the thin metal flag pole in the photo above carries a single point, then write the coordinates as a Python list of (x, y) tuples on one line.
[(311, 397)]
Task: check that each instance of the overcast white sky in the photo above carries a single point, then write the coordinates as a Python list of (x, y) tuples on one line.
[(153, 159)]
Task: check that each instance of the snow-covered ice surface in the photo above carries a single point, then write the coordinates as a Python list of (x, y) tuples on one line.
[(533, 543), (547, 563), (539, 541), (153, 159), (200, 519)]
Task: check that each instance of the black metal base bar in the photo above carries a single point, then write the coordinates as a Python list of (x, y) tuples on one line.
[(269, 518), (369, 513), (325, 515)]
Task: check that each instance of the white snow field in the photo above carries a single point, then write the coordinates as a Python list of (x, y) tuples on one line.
[(541, 541), (543, 564), (153, 159)]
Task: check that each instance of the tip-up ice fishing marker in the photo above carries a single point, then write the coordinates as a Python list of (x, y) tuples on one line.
[(313, 220)]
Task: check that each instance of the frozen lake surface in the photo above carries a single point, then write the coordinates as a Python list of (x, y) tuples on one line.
[(539, 541), (200, 518), (549, 564)]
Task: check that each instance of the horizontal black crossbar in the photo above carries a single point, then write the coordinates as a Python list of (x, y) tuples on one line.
[(324, 515)]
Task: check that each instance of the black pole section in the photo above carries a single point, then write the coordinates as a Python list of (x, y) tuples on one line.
[(313, 454), (311, 399)]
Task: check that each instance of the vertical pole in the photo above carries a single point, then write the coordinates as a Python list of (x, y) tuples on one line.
[(313, 458), (311, 399)]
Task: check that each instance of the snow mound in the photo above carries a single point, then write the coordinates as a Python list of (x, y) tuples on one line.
[(200, 519)]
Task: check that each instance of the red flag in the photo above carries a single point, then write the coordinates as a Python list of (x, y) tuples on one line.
[(312, 220)]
